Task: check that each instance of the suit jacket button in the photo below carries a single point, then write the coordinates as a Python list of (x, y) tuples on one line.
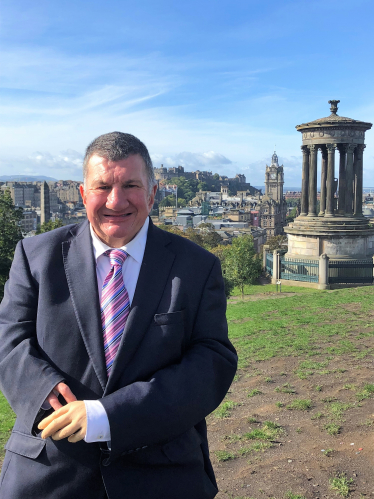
[(106, 461)]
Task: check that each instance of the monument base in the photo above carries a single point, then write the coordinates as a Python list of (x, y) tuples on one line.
[(337, 237)]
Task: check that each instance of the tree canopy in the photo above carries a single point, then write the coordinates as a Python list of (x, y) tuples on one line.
[(241, 264), (277, 242), (10, 234), (50, 225)]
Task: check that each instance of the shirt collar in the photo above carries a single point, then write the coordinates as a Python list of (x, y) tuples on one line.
[(135, 248)]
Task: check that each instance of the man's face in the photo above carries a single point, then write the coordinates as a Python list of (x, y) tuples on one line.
[(117, 198)]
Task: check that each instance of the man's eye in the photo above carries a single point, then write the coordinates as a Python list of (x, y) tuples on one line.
[(103, 187)]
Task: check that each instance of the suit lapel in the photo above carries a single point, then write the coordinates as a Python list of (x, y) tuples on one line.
[(80, 269), (154, 272)]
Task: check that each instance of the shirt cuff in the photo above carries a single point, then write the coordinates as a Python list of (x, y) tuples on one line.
[(98, 429)]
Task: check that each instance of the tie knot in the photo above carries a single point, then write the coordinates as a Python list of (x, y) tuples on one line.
[(116, 256)]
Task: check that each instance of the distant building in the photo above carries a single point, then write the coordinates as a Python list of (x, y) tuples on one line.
[(29, 221), (273, 206)]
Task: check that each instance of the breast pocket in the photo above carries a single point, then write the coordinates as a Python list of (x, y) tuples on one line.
[(165, 340), (169, 318)]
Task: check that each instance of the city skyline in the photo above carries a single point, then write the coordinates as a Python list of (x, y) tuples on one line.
[(210, 87)]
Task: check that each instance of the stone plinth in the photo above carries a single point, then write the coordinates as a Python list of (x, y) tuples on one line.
[(338, 237)]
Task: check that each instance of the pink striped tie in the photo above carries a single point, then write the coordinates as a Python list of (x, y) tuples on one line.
[(115, 306)]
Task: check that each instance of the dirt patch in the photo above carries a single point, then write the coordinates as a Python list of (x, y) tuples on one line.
[(304, 456), (262, 296)]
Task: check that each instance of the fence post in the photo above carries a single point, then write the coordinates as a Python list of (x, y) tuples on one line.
[(275, 276), (323, 272), (264, 251)]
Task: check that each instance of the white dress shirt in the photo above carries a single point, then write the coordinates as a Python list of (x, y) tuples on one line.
[(98, 429)]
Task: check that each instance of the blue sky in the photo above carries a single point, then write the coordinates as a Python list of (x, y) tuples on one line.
[(206, 84)]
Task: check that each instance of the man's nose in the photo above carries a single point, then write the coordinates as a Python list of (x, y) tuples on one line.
[(117, 199)]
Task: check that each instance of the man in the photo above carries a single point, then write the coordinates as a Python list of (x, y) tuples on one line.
[(113, 347)]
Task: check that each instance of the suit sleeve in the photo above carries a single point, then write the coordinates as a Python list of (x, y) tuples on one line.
[(26, 377), (180, 395)]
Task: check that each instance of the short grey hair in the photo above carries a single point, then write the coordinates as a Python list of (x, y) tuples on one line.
[(115, 146)]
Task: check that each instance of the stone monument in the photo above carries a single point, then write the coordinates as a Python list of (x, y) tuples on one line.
[(339, 229), (45, 214)]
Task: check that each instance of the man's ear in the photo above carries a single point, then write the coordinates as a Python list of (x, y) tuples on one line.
[(152, 196), (83, 194)]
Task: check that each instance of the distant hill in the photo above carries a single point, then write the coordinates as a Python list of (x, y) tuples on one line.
[(25, 178)]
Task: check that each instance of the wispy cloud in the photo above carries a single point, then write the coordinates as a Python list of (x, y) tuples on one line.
[(65, 165), (194, 161)]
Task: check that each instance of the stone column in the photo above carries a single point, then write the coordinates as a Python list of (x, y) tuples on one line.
[(349, 180), (312, 209), (276, 270), (323, 182), (342, 178), (358, 162), (330, 180), (305, 182), (323, 272), (264, 251)]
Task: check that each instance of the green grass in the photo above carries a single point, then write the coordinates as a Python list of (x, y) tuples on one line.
[(340, 484), (223, 455), (254, 392), (290, 495), (328, 452), (366, 393), (224, 410), (7, 419), (255, 447), (318, 415), (313, 323), (300, 405), (333, 428), (336, 409), (286, 388), (269, 431)]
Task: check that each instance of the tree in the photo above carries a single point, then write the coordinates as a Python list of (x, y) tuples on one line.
[(209, 236), (168, 201), (241, 264), (292, 215), (10, 234), (50, 225), (194, 236), (220, 251), (277, 242)]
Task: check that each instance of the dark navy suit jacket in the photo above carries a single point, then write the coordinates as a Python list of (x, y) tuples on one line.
[(174, 366)]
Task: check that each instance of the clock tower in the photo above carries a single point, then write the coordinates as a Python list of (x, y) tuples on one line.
[(274, 179), (273, 207)]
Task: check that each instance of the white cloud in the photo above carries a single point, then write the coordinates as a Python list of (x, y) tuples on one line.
[(193, 161), (65, 165)]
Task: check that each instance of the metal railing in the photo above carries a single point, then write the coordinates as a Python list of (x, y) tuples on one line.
[(298, 270), (269, 263), (351, 271)]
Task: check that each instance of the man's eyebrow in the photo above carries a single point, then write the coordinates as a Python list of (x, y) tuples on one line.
[(134, 181), (98, 182)]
